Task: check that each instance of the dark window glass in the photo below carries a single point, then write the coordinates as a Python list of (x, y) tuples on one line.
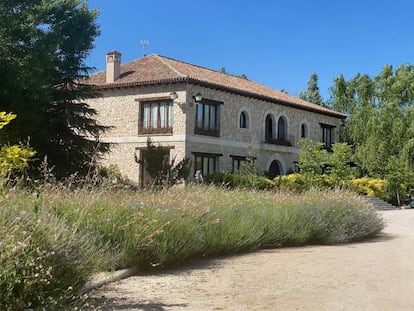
[(268, 128), (327, 138), (244, 123), (207, 119), (303, 131), (281, 129)]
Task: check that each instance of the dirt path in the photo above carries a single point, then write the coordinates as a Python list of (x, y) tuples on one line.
[(376, 275)]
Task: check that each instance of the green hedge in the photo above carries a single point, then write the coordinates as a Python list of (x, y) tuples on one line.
[(232, 181)]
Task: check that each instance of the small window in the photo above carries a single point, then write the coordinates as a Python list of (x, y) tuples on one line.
[(236, 165), (244, 120), (304, 131), (236, 161)]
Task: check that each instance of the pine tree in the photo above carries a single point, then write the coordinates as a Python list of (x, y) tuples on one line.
[(312, 93), (43, 46)]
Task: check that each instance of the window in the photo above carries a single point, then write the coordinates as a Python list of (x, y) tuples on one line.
[(206, 162), (207, 116), (244, 120), (327, 135), (156, 117), (281, 129), (304, 131), (236, 161), (270, 136), (269, 128)]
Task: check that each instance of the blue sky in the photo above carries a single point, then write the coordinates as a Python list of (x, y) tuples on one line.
[(276, 43)]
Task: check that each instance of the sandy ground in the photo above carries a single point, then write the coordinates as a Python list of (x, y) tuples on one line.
[(375, 275)]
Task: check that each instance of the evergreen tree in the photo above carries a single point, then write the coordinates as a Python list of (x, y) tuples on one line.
[(312, 93), (43, 46)]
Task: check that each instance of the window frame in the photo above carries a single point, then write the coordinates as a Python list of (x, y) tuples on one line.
[(236, 161), (211, 159), (150, 123), (207, 118), (282, 129), (304, 130), (327, 137), (244, 120), (269, 128)]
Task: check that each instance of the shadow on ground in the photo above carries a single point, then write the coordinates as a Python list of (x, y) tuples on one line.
[(110, 304)]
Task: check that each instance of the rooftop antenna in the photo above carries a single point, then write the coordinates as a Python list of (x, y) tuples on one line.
[(144, 46)]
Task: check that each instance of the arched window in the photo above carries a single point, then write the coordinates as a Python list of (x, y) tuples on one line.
[(281, 129), (304, 131), (244, 120), (269, 128)]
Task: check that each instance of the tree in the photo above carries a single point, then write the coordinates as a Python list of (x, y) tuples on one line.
[(247, 166), (380, 122), (163, 171), (340, 169), (312, 159), (396, 179), (223, 70), (43, 46), (312, 93)]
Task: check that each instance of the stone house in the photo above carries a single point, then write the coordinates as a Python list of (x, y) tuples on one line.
[(213, 118)]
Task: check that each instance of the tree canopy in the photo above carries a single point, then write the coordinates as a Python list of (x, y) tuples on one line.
[(380, 124), (43, 46)]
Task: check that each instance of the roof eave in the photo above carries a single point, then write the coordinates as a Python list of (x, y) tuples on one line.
[(195, 81)]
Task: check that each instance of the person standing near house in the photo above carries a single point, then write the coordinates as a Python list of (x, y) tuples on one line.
[(198, 176)]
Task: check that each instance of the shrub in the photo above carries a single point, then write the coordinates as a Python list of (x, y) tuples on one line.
[(299, 183), (368, 186), (312, 158), (51, 243), (232, 181), (162, 171), (292, 182), (43, 261), (12, 157)]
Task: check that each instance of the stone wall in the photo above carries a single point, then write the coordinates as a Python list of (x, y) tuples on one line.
[(238, 141), (119, 108)]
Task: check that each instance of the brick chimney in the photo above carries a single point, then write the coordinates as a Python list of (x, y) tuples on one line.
[(113, 66)]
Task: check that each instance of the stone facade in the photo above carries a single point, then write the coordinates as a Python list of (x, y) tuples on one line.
[(121, 108)]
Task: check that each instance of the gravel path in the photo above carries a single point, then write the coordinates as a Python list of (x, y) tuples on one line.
[(375, 275)]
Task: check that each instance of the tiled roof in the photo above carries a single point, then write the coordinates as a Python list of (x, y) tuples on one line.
[(154, 69)]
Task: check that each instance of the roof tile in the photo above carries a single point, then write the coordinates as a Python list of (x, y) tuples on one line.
[(155, 68)]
